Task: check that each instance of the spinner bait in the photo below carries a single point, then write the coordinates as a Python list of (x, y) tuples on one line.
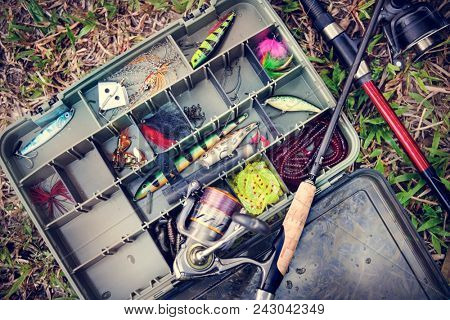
[(121, 158), (158, 179), (155, 80), (287, 103), (133, 160), (149, 72), (256, 187), (213, 40), (123, 144), (46, 134), (226, 147)]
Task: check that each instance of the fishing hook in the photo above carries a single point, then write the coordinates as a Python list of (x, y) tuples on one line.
[(28, 158)]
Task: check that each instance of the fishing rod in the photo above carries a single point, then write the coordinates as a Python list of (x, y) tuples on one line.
[(295, 219), (197, 257), (346, 49)]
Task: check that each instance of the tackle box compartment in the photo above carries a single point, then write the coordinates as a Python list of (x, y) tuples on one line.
[(103, 240)]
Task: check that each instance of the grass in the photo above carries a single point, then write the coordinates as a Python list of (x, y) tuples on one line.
[(46, 46)]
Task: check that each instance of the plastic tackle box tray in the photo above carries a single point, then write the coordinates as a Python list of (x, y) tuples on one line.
[(103, 239)]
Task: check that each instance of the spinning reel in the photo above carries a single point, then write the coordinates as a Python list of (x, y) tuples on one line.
[(418, 27), (214, 225)]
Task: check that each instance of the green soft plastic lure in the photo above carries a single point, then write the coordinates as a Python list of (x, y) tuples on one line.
[(287, 103), (213, 40), (158, 179), (256, 187)]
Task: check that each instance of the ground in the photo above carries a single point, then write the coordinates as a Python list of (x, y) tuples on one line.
[(45, 46)]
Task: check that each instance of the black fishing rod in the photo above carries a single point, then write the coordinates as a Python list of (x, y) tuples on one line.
[(347, 48), (294, 221)]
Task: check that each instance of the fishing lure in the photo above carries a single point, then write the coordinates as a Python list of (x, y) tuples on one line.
[(150, 72), (226, 147), (155, 80), (123, 144), (133, 160), (165, 127), (154, 136), (111, 95), (52, 200), (213, 40), (204, 176), (46, 134), (274, 57), (121, 158), (256, 187), (158, 179), (259, 138), (162, 236), (124, 141), (287, 103), (293, 157)]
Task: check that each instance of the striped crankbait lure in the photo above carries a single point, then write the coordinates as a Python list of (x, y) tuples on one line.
[(256, 187), (287, 103), (46, 134), (213, 40), (158, 179)]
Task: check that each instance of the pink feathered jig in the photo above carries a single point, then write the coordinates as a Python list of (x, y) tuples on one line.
[(276, 49)]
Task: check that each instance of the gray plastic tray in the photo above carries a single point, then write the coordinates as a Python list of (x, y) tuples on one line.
[(103, 241)]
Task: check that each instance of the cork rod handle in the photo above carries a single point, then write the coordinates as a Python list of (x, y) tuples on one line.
[(294, 223)]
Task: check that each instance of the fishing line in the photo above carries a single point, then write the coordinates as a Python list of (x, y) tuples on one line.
[(213, 213), (228, 73)]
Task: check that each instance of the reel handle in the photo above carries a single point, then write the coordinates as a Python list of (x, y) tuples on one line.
[(251, 223)]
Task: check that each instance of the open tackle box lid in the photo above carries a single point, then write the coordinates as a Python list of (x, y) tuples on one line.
[(358, 243)]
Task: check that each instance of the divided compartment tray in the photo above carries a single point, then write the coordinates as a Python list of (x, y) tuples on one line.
[(82, 122), (103, 241)]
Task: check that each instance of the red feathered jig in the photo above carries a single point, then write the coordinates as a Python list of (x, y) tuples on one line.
[(53, 199)]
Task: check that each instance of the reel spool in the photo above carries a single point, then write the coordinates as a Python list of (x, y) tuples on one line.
[(212, 217)]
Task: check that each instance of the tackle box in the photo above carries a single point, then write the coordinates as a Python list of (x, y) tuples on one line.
[(104, 240)]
